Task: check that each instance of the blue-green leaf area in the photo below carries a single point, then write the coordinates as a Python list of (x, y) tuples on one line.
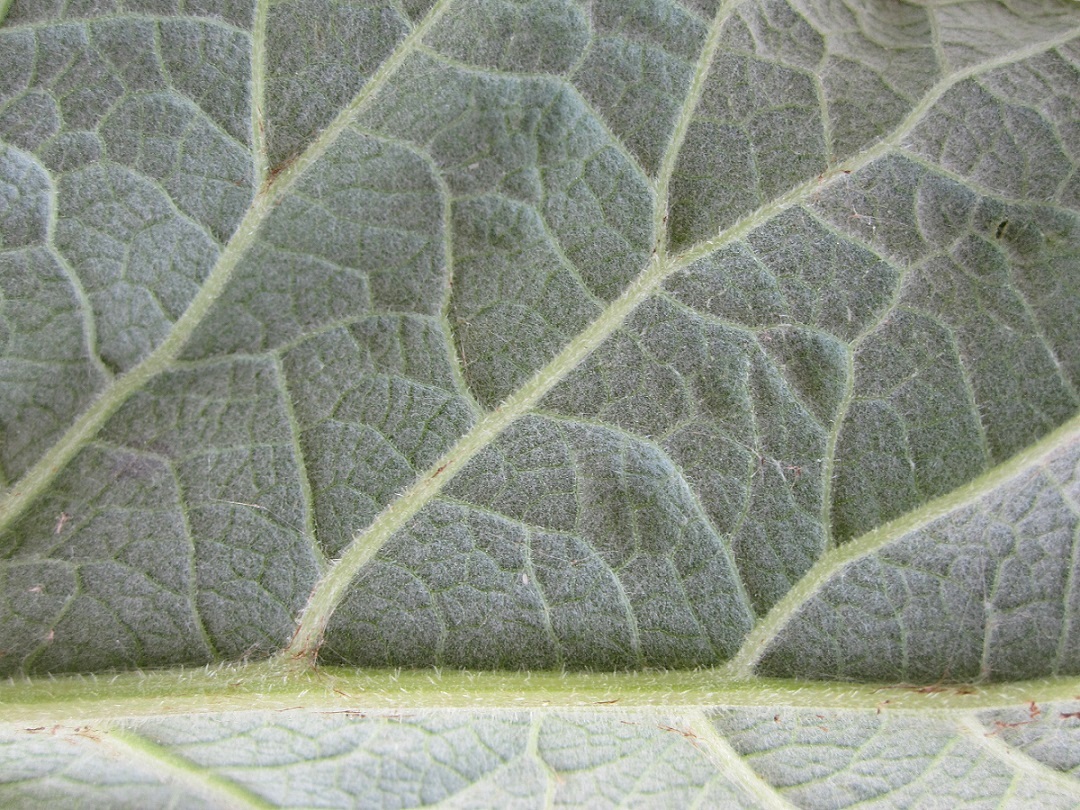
[(581, 334), (841, 759), (985, 592), (569, 528)]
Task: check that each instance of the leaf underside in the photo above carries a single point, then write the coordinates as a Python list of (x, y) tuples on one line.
[(545, 335)]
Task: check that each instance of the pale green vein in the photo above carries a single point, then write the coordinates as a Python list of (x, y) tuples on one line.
[(38, 477), (330, 590), (268, 687), (193, 565), (479, 792), (828, 466), (623, 598), (732, 764), (613, 139), (1017, 761), (194, 778), (804, 191), (83, 19), (924, 781), (5, 7), (832, 563), (344, 119), (57, 617), (935, 38), (971, 398), (306, 495), (258, 91), (1072, 581), (89, 319), (682, 123), (532, 750), (1029, 310), (545, 607), (455, 359)]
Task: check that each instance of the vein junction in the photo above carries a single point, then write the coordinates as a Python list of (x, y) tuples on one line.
[(332, 588)]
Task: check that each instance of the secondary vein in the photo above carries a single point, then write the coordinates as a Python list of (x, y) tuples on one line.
[(175, 768), (331, 589), (35, 481), (755, 645)]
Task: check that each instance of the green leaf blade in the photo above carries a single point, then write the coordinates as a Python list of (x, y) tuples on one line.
[(541, 335)]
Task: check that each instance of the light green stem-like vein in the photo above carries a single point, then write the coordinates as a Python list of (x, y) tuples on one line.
[(1016, 760), (37, 478), (734, 766), (221, 792), (742, 665), (269, 686), (258, 91), (331, 589)]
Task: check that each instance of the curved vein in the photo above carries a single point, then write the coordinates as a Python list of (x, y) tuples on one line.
[(331, 590), (734, 766), (755, 645), (1017, 761), (198, 779)]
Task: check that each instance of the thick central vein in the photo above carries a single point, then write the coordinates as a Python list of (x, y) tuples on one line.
[(329, 592)]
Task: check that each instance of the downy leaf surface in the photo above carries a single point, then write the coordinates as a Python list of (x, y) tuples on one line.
[(378, 377)]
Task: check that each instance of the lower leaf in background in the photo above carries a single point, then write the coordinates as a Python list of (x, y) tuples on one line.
[(767, 756)]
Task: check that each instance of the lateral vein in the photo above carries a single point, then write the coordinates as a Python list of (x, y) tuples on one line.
[(755, 644), (182, 771), (34, 482), (331, 589)]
